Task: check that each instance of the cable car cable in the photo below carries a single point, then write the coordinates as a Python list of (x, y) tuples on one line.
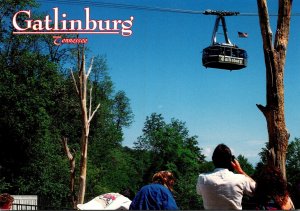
[(218, 55), (138, 7)]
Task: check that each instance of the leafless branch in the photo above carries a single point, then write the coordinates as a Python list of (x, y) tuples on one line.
[(91, 117), (90, 68), (90, 107), (74, 80)]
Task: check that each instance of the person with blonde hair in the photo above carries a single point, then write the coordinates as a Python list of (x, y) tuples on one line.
[(157, 195)]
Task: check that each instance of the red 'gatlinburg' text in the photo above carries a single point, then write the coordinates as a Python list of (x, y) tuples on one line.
[(61, 25)]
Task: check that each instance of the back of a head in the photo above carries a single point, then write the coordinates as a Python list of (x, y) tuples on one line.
[(222, 157), (165, 178)]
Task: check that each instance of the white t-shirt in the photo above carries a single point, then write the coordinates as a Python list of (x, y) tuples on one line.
[(107, 201), (223, 189)]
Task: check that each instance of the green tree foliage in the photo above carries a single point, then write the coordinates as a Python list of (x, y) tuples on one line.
[(123, 115), (169, 147), (26, 126), (7, 9), (29, 89), (206, 166), (293, 160), (246, 166), (293, 170), (39, 107)]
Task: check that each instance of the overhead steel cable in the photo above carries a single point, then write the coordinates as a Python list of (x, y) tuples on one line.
[(122, 6), (137, 7)]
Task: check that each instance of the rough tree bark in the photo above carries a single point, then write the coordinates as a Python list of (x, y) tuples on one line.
[(275, 56)]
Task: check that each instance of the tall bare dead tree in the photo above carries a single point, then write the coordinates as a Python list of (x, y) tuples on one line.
[(86, 117), (275, 56)]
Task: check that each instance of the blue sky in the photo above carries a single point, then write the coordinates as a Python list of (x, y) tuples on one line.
[(159, 67)]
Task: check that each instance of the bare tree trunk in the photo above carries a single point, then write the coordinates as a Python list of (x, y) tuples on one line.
[(86, 117), (275, 56), (85, 130)]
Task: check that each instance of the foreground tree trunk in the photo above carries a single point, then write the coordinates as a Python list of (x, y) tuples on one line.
[(86, 117), (275, 56)]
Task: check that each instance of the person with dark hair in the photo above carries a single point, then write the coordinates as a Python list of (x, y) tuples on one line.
[(271, 191), (157, 195), (6, 201), (223, 189)]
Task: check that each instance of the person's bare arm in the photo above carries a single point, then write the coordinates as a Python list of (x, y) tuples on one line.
[(237, 167)]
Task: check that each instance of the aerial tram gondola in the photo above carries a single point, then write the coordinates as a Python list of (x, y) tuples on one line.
[(223, 55)]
